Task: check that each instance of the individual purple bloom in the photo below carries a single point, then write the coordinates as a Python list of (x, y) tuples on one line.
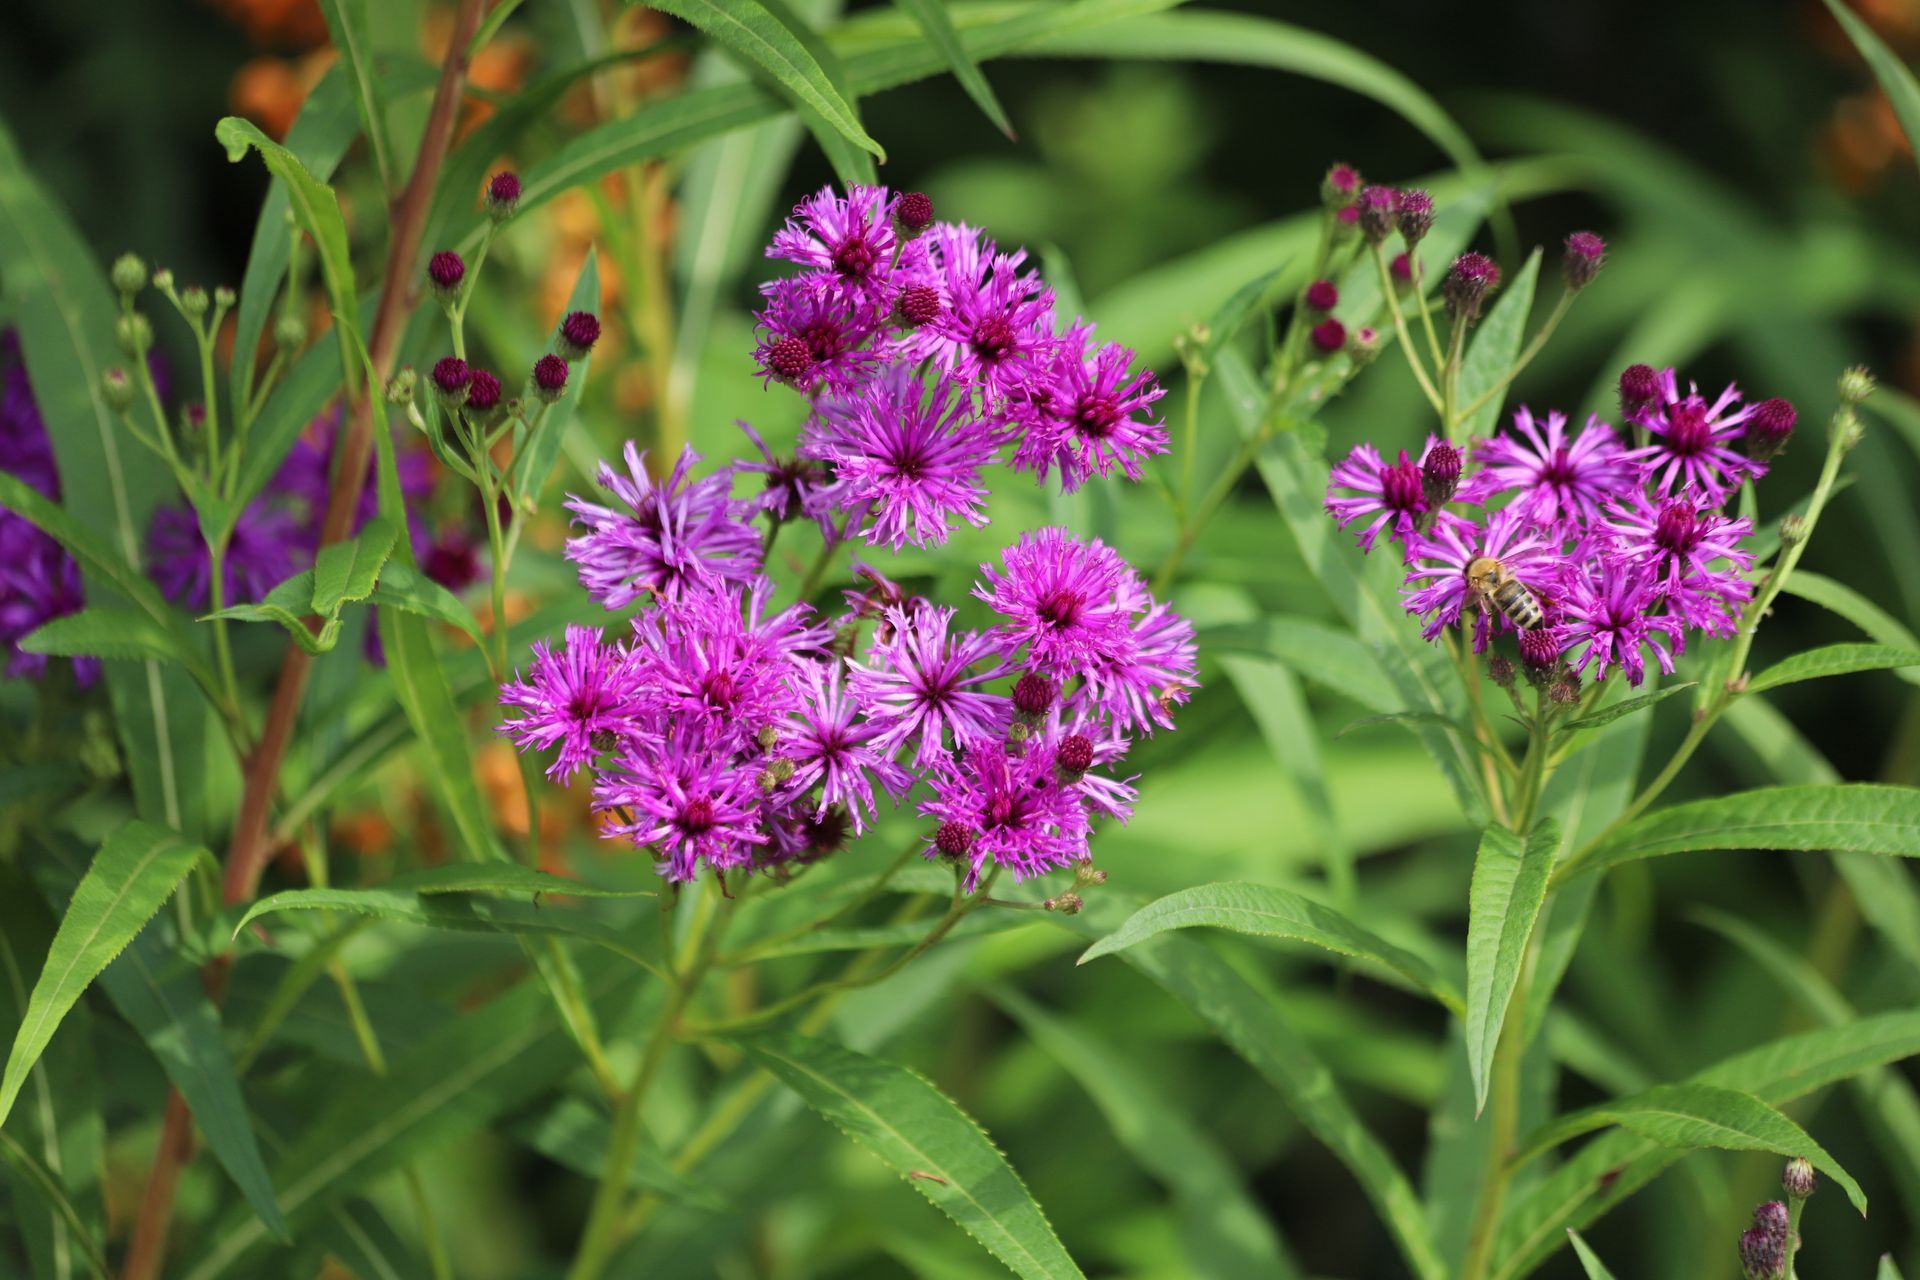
[(831, 330), (39, 582), (791, 487), (1605, 615), (268, 545), (906, 459), (1090, 414), (1010, 810), (1080, 736), (848, 240), (581, 700), (663, 536), (833, 747), (1695, 555), (1140, 685), (1694, 443), (1391, 497), (920, 683), (997, 329), (714, 658), (1437, 586), (1062, 600), (687, 802), (1557, 478)]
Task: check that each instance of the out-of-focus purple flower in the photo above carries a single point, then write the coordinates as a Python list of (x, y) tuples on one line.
[(832, 330), (905, 458), (1010, 810), (923, 684), (1557, 478), (663, 536), (848, 239), (1693, 444), (581, 700), (687, 802), (1694, 554), (1062, 601), (1437, 574), (1090, 414), (1605, 615), (269, 544), (834, 748)]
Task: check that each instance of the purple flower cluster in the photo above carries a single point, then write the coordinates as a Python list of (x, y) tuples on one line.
[(928, 354), (724, 735), (1625, 549), (39, 581)]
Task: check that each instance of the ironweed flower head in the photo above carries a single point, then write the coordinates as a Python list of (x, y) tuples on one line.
[(582, 700), (1090, 413), (1379, 207), (503, 195), (1471, 278), (1340, 186), (1415, 216), (662, 536), (1639, 387), (1769, 429), (1586, 254), (1556, 476), (1063, 601), (578, 332), (445, 271), (913, 213), (1692, 439)]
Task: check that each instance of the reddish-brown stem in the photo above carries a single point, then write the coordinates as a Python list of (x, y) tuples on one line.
[(249, 849)]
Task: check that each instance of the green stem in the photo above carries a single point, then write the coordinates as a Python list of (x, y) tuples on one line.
[(1188, 462), (1426, 309), (1503, 1123), (222, 646), (1533, 349), (1400, 328)]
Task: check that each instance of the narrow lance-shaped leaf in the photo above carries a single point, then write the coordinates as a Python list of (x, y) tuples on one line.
[(1626, 707), (43, 1181), (931, 15), (1270, 912), (943, 1154), (347, 25), (1902, 90), (109, 631), (1834, 660), (1866, 817), (1589, 1260), (134, 872), (1837, 597), (1509, 884)]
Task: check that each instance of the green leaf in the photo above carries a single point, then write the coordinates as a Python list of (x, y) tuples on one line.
[(1894, 77), (1626, 707), (1224, 1233), (931, 15), (401, 587), (1495, 347), (903, 934), (109, 631), (1273, 698), (1589, 1260), (747, 29), (504, 879), (347, 25), (1881, 627), (900, 1116), (1863, 816), (1509, 885), (346, 571), (542, 447), (1887, 1270), (1234, 313), (43, 1181), (288, 604), (135, 871), (1688, 1116), (1265, 911), (1329, 656), (1834, 660), (1256, 1029)]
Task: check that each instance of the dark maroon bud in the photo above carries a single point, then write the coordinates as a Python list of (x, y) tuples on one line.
[(1757, 1255), (1586, 254), (503, 195), (1401, 269), (1076, 753), (914, 213), (1773, 1218), (578, 332), (452, 379), (919, 304), (1416, 216), (1339, 187), (1471, 278), (1033, 694), (446, 270), (790, 360), (953, 839), (1539, 648), (1346, 221), (1440, 475), (1379, 206), (1639, 387), (1329, 335), (549, 377), (483, 392), (1322, 295), (453, 561), (1767, 430)]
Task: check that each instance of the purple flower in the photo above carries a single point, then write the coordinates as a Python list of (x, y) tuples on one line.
[(269, 544), (687, 802), (997, 329), (667, 536), (1437, 577), (1081, 743), (1605, 616), (1392, 494), (1090, 414), (1695, 556), (39, 582), (1557, 479), (830, 330), (833, 748), (920, 683), (1139, 684), (581, 700), (791, 487), (1062, 600), (1011, 810), (1692, 445), (848, 240), (714, 658), (906, 460)]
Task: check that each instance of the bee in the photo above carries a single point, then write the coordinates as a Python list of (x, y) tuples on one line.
[(1496, 588)]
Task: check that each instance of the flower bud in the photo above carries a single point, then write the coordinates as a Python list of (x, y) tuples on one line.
[(1767, 430), (1440, 475), (1471, 278), (1415, 217), (1856, 384), (1075, 754), (1364, 346), (1329, 336), (129, 274), (1033, 693), (134, 333), (790, 361), (1798, 1179), (289, 333), (1539, 650), (1322, 295), (1760, 1257), (1793, 528), (549, 378), (1340, 186), (400, 386), (1067, 904), (1084, 872), (953, 839), (483, 393), (918, 304), (193, 301), (163, 279), (1401, 271), (913, 213), (503, 195), (1378, 207), (224, 297), (1639, 387), (1500, 670), (1346, 223), (1586, 254), (445, 271), (452, 379), (116, 388), (578, 332), (1565, 691), (768, 737)]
